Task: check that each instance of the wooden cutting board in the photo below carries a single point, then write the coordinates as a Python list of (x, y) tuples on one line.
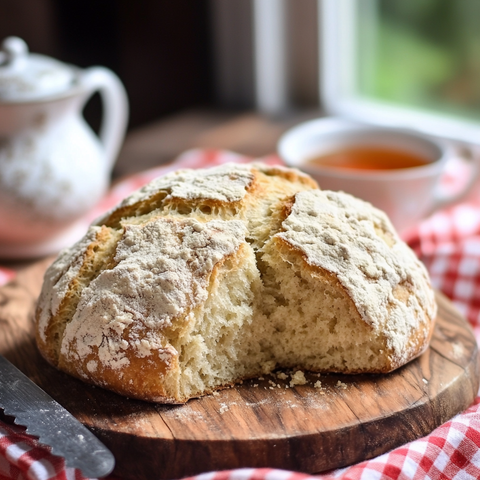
[(258, 424)]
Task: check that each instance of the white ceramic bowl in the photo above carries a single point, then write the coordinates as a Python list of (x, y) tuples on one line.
[(406, 195)]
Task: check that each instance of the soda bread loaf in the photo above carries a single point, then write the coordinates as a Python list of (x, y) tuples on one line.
[(206, 277)]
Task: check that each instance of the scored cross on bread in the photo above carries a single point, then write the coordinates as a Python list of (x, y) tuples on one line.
[(203, 278)]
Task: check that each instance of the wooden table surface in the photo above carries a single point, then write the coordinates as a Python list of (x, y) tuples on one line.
[(247, 133)]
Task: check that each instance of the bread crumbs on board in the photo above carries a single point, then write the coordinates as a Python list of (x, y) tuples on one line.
[(296, 378)]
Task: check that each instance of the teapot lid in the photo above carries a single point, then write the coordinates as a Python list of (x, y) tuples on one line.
[(26, 76)]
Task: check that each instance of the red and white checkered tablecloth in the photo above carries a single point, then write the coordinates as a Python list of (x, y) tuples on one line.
[(448, 243)]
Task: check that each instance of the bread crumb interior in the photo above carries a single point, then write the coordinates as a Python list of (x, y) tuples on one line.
[(252, 324)]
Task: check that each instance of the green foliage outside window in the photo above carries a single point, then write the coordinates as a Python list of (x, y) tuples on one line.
[(421, 53)]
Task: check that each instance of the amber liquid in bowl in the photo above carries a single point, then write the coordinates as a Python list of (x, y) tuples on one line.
[(369, 158)]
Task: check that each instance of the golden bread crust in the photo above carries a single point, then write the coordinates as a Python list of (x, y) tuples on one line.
[(203, 278)]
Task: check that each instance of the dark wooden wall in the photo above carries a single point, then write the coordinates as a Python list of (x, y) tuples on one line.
[(161, 49)]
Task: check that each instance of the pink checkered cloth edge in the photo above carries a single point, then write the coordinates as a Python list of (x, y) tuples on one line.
[(448, 243)]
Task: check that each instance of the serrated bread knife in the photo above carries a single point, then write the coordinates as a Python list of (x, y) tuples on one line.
[(51, 423)]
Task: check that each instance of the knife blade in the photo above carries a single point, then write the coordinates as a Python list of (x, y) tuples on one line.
[(51, 423)]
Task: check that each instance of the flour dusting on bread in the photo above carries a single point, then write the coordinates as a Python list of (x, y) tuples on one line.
[(340, 234), (207, 277), (161, 273)]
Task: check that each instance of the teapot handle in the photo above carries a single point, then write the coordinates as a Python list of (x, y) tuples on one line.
[(115, 108)]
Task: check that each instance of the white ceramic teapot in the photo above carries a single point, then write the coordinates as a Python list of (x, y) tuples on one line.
[(53, 167)]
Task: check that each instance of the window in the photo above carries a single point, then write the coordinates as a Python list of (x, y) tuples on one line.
[(412, 63)]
